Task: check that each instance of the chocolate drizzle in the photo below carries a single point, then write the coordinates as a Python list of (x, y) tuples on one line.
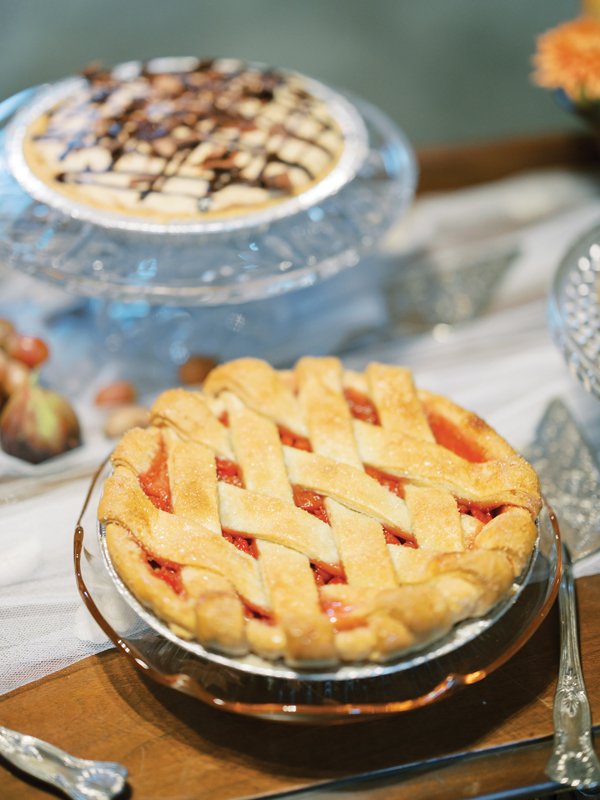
[(218, 125)]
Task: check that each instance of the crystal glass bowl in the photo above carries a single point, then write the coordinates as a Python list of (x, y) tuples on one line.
[(574, 309)]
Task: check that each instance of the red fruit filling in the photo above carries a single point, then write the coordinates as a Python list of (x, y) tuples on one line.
[(229, 472), (310, 501), (167, 571), (361, 407), (155, 481), (396, 536), (453, 438), (482, 514), (243, 542), (252, 611), (391, 482), (327, 573), (291, 439)]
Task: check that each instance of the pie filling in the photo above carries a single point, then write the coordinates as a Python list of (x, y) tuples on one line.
[(484, 515), (444, 432), (361, 407), (291, 439), (170, 573), (396, 536), (327, 573), (155, 481), (243, 541), (312, 502), (155, 484), (252, 611), (167, 571), (391, 482), (452, 438), (229, 472)]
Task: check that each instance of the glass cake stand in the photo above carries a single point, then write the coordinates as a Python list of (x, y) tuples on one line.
[(225, 292), (574, 309), (253, 687)]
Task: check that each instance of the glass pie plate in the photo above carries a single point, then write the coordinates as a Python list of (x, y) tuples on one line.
[(574, 309), (254, 687)]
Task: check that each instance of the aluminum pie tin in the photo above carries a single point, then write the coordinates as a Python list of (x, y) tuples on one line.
[(346, 115), (462, 633)]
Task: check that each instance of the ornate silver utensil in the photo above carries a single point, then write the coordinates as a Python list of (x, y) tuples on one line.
[(78, 778), (571, 482)]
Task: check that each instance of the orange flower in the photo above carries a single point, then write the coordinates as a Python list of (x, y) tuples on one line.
[(568, 58)]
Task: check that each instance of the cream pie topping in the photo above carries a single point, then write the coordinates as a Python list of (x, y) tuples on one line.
[(216, 139)]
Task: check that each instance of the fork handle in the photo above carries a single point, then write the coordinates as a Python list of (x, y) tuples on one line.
[(573, 761), (79, 779)]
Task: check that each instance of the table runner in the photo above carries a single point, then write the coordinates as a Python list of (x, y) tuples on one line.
[(502, 365)]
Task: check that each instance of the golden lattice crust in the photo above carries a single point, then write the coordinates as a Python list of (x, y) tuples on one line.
[(319, 515)]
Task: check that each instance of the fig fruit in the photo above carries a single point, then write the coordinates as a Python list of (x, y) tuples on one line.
[(37, 424), (6, 330), (15, 375)]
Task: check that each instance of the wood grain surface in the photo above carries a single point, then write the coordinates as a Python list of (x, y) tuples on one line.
[(175, 747), (443, 168)]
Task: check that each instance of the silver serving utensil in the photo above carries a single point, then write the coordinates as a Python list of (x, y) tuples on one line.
[(78, 778), (571, 482)]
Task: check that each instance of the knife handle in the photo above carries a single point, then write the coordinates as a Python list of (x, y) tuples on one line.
[(573, 761)]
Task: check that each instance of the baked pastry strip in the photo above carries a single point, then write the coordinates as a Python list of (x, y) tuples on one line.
[(464, 500)]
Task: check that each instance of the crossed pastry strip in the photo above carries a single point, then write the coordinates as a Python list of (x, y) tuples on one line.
[(319, 515)]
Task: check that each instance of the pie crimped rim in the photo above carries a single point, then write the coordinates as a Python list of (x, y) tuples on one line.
[(396, 598), (462, 633)]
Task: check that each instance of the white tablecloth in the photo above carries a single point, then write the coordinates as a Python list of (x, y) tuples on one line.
[(502, 365)]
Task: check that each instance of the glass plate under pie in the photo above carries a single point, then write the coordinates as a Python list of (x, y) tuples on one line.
[(406, 625), (574, 309)]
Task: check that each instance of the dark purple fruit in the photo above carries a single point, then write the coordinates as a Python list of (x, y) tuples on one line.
[(37, 424)]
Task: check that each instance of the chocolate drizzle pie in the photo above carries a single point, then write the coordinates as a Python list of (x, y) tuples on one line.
[(218, 138)]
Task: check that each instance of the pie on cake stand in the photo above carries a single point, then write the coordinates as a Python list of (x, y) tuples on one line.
[(240, 267)]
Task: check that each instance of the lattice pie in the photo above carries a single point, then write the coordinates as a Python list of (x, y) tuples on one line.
[(317, 515)]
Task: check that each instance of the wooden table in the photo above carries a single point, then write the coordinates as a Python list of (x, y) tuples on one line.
[(174, 747)]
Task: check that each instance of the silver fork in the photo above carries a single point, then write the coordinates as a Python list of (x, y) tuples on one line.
[(78, 778), (571, 481)]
